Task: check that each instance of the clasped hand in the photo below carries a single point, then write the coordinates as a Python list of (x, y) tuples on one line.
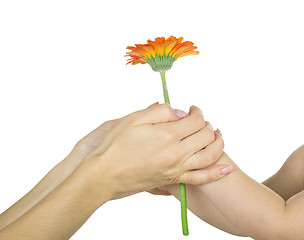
[(150, 148)]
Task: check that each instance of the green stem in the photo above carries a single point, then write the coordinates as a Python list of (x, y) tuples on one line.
[(183, 200), (166, 96), (183, 195)]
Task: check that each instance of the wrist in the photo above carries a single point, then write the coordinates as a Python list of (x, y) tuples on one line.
[(75, 157), (96, 181), (73, 160)]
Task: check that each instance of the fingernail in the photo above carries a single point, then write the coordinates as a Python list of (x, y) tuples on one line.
[(226, 170), (218, 132), (180, 113)]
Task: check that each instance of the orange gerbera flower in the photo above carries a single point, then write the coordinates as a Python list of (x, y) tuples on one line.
[(161, 53)]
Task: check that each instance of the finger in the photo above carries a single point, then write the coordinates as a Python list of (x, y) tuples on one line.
[(156, 114), (156, 103), (197, 141), (109, 124), (187, 125), (150, 106), (207, 175), (206, 157), (152, 115)]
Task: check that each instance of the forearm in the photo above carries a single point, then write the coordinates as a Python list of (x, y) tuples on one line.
[(253, 209), (60, 214), (199, 204), (49, 182)]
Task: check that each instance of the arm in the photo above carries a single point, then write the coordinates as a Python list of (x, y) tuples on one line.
[(60, 214), (127, 162), (58, 174), (251, 208), (289, 180), (42, 189), (61, 172)]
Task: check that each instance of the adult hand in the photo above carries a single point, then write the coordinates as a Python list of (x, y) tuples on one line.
[(143, 150), (89, 143), (150, 148)]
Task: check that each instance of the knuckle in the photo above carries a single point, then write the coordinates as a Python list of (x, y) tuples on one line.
[(166, 110), (205, 160), (209, 133), (192, 162), (199, 120), (170, 132), (210, 158), (166, 134), (210, 178), (193, 179)]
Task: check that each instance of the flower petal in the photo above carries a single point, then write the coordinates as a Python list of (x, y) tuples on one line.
[(160, 53)]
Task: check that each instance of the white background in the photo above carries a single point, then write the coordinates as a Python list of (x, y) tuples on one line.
[(63, 73)]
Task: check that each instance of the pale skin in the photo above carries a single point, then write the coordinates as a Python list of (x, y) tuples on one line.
[(241, 206), (116, 160)]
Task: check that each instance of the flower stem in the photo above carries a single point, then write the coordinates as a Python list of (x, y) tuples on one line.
[(183, 200), (183, 195), (166, 96)]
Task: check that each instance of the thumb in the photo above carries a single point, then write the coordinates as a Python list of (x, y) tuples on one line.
[(156, 103), (157, 114), (206, 175)]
